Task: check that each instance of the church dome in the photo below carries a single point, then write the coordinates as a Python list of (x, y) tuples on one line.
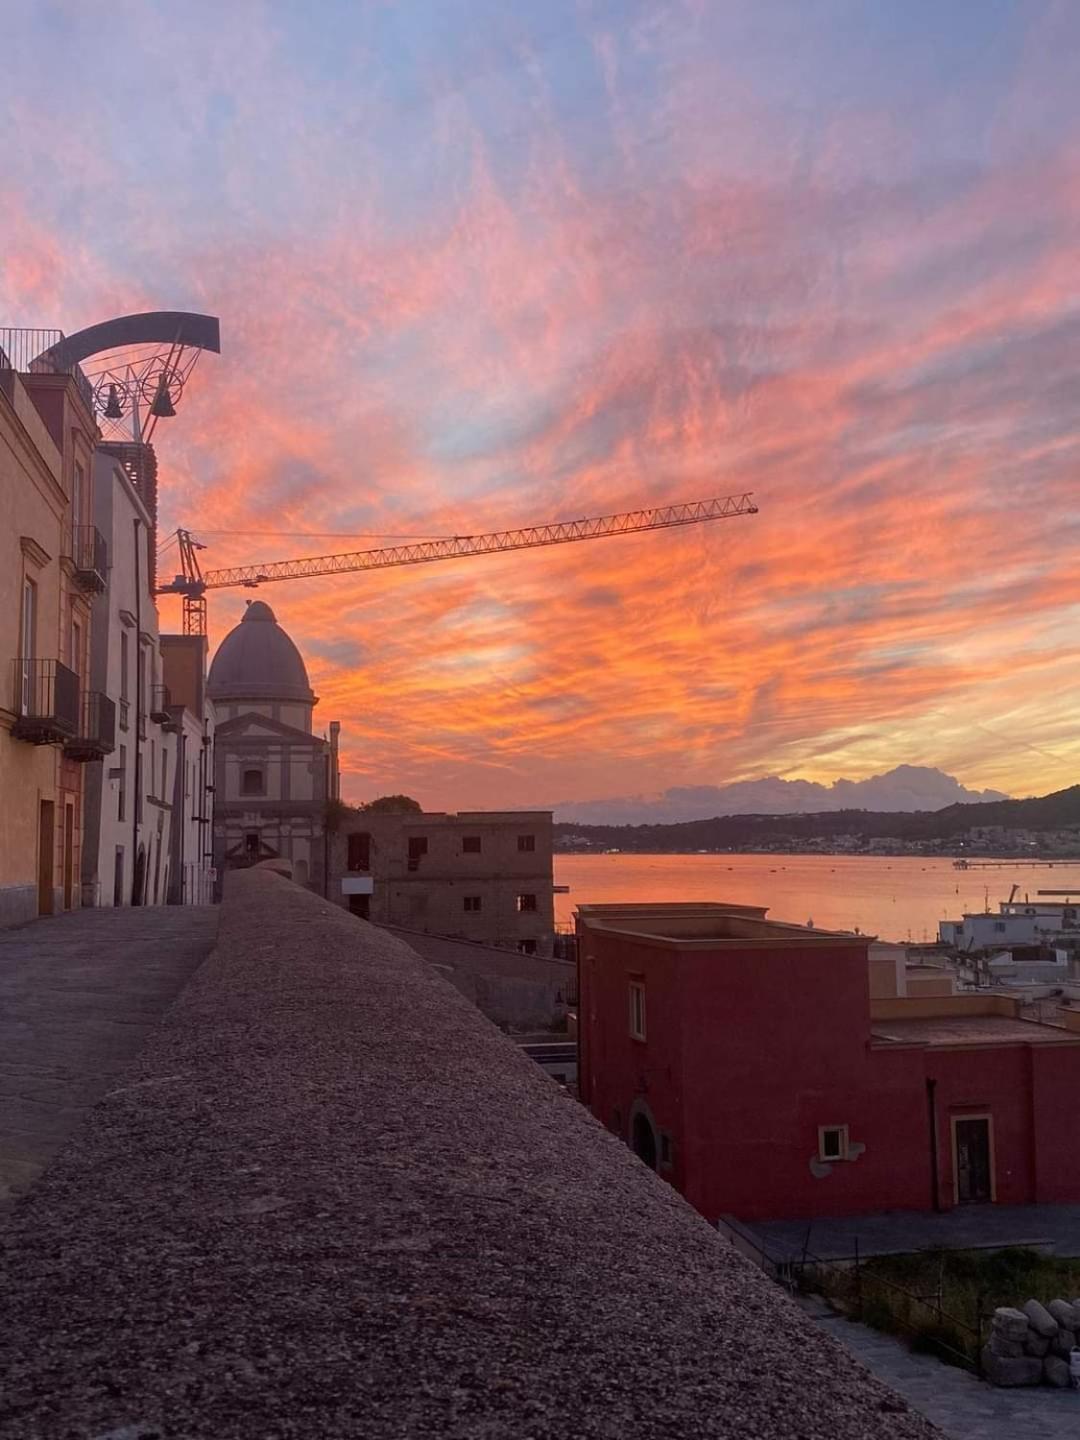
[(257, 661)]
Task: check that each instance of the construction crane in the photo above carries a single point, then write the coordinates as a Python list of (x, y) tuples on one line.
[(193, 584)]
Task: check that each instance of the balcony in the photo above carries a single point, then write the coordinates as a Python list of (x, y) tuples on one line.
[(96, 735), (124, 709), (89, 555), (46, 702), (160, 701)]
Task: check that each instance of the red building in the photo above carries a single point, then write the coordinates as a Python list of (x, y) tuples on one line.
[(745, 1060)]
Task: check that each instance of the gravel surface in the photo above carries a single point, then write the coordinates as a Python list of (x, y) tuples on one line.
[(330, 1200)]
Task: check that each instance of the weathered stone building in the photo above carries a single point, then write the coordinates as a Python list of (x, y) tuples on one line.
[(483, 875), (273, 777)]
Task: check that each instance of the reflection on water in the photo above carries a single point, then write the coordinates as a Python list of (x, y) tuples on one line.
[(898, 898)]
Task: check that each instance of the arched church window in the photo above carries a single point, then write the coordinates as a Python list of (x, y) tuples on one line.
[(253, 782)]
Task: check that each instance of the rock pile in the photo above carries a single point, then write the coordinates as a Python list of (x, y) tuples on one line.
[(1032, 1346)]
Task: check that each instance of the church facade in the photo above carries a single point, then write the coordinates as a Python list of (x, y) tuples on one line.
[(273, 776)]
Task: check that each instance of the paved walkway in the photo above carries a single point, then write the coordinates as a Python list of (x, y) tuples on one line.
[(899, 1232), (78, 994), (959, 1404)]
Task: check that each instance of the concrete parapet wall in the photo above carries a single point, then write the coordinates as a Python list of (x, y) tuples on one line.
[(935, 1007), (512, 989), (331, 1200)]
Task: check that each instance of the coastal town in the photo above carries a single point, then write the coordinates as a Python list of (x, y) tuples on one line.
[(539, 782)]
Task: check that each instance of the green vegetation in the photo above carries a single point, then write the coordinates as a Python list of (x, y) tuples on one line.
[(394, 805), (935, 1299)]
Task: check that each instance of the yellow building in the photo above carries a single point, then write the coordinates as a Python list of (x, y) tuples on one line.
[(52, 563)]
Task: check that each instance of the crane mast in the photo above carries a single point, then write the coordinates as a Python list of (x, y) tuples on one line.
[(193, 584)]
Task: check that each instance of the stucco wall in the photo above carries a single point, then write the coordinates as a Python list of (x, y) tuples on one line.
[(35, 485)]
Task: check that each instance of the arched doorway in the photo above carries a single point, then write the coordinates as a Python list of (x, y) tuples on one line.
[(643, 1140)]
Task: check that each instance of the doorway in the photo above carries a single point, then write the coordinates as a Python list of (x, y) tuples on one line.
[(644, 1140), (69, 855), (140, 877), (118, 877), (46, 857), (973, 1159)]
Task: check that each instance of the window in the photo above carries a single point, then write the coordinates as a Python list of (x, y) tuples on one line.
[(251, 845), (470, 844), (27, 643), (665, 1148), (417, 849), (76, 646), (527, 843), (999, 925), (359, 851), (252, 782), (121, 794), (77, 486), (526, 904), (164, 774), (637, 1010), (123, 665), (527, 947), (472, 902), (360, 905), (832, 1142)]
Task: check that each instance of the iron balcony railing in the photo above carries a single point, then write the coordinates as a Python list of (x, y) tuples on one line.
[(89, 555), (46, 696), (160, 700), (28, 351), (96, 735)]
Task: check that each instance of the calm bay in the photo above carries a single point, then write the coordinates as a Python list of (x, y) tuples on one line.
[(895, 897)]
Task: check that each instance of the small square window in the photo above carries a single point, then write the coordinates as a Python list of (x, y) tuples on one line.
[(832, 1142), (637, 1010), (417, 846), (527, 947), (527, 843), (473, 902), (526, 904), (470, 844)]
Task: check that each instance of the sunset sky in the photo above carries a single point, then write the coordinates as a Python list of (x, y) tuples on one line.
[(481, 262)]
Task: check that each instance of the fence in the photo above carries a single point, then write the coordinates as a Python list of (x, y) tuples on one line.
[(871, 1298)]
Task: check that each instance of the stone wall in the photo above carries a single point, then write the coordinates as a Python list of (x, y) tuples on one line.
[(1033, 1345), (521, 992), (332, 1200)]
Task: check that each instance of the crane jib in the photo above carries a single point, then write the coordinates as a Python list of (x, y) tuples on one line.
[(526, 537)]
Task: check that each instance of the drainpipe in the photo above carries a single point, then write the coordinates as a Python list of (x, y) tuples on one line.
[(206, 771), (326, 831), (137, 788), (931, 1104), (180, 809)]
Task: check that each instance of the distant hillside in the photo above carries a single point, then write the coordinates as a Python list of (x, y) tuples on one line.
[(905, 787), (1059, 811)]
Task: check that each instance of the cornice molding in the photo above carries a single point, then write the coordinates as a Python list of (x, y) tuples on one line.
[(35, 553)]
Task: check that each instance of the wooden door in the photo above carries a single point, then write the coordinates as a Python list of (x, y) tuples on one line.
[(974, 1179), (46, 857), (69, 855)]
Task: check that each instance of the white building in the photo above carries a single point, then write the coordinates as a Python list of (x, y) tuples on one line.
[(191, 873), (273, 776), (1040, 964), (1017, 922), (128, 803)]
